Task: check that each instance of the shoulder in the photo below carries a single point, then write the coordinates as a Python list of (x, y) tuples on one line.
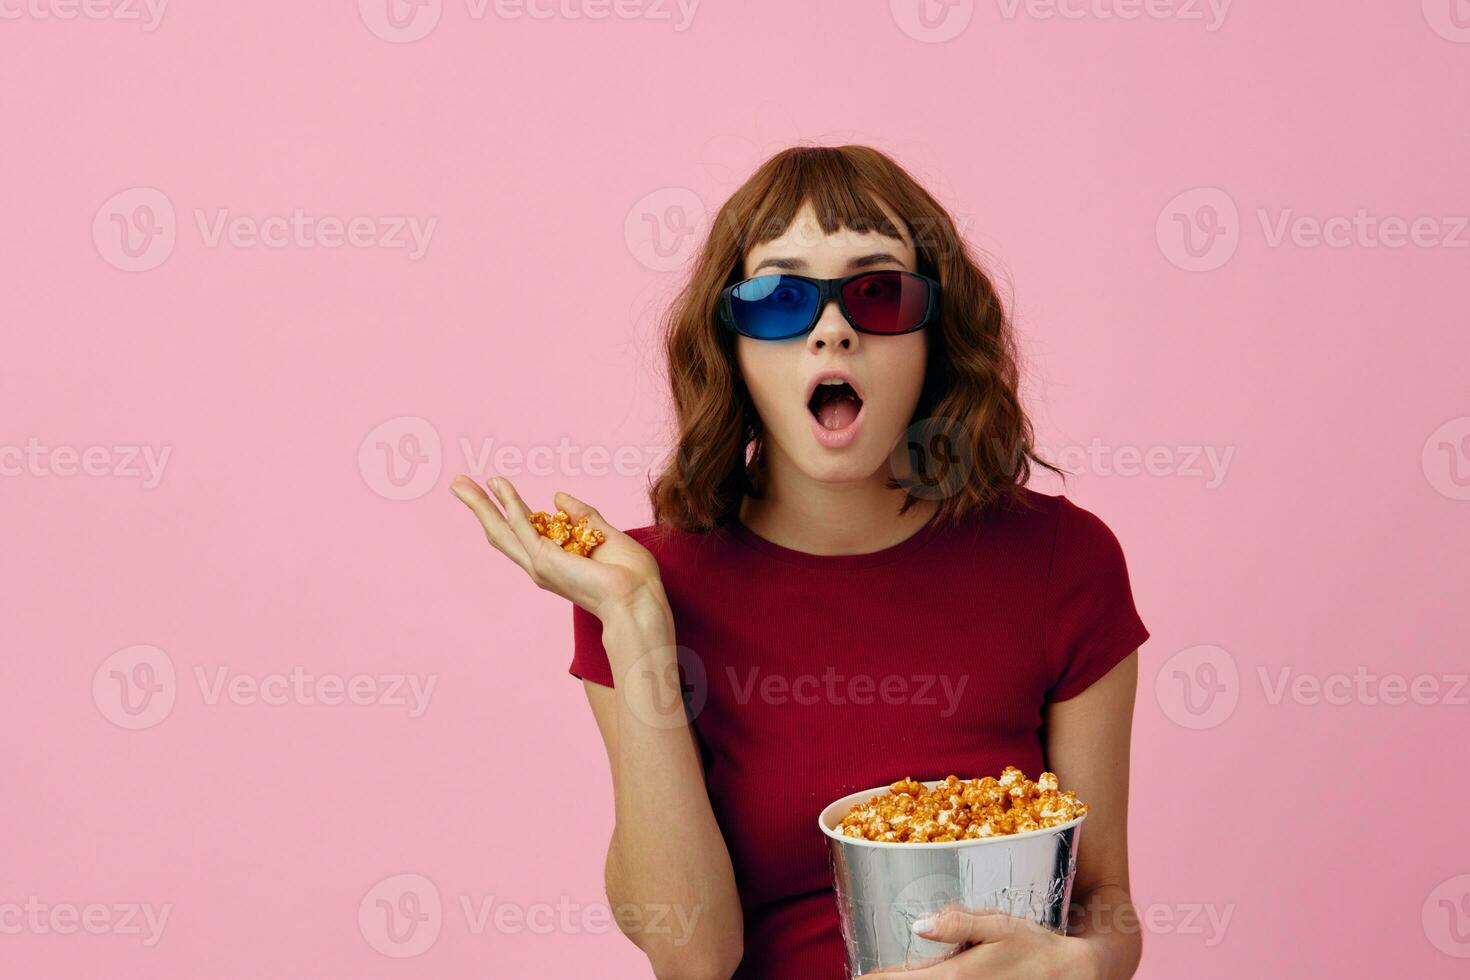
[(1056, 516), (671, 545), (1081, 534), (1082, 550), (660, 537), (1025, 518), (1051, 527)]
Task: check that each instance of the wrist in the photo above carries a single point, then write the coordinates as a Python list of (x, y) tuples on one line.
[(640, 614)]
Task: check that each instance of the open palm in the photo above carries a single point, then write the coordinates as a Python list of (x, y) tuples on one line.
[(617, 573)]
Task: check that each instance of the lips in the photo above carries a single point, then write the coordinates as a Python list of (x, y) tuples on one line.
[(836, 405)]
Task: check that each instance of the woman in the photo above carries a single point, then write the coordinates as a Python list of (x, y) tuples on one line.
[(833, 615)]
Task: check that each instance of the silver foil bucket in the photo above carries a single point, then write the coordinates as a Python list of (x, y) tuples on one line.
[(882, 889)]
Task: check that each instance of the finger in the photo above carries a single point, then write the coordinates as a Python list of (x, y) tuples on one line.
[(942, 966), (959, 926), (518, 516), (940, 971), (972, 962), (577, 509), (496, 530)]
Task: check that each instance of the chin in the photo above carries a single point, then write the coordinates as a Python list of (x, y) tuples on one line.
[(837, 473), (857, 461), (853, 464)]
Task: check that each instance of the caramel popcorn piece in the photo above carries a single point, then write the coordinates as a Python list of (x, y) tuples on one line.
[(956, 809), (578, 539)]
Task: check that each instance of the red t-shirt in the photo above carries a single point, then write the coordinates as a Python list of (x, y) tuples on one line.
[(826, 675)]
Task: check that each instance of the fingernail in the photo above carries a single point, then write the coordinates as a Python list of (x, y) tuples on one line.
[(924, 925)]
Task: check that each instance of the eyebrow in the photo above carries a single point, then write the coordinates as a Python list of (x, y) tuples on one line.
[(797, 264)]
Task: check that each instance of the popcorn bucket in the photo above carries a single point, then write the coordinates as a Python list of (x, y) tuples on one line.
[(883, 888)]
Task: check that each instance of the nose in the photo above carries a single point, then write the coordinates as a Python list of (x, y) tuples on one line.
[(832, 330)]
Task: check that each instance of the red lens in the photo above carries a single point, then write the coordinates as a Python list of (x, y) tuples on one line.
[(886, 302)]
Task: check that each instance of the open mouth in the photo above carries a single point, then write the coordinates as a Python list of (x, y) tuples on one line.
[(834, 404)]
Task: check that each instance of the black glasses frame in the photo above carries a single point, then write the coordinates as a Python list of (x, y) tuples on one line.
[(830, 290)]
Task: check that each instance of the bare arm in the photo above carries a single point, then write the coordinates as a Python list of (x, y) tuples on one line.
[(1087, 746), (667, 854), (669, 877)]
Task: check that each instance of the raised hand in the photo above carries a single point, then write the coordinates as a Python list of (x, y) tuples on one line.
[(619, 574)]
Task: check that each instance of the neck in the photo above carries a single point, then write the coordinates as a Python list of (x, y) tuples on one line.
[(831, 518)]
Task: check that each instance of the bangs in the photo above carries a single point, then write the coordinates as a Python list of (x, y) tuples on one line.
[(837, 190), (971, 378)]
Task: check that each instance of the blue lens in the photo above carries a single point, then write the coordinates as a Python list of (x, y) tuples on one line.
[(773, 307)]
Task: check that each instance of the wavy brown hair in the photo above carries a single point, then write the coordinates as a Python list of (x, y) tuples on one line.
[(971, 376)]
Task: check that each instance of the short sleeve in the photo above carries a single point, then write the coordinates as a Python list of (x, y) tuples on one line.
[(589, 657), (1091, 622)]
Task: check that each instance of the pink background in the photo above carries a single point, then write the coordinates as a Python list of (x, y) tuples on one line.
[(1335, 542)]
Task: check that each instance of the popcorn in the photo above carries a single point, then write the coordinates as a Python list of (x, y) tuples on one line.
[(962, 810), (578, 539)]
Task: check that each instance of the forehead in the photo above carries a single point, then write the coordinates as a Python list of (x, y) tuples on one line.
[(804, 238)]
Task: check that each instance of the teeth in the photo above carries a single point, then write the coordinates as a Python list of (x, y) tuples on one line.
[(834, 381)]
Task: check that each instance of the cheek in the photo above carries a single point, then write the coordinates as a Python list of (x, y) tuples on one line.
[(761, 363), (903, 374)]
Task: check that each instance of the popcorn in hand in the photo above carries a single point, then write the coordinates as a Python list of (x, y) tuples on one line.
[(578, 539)]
